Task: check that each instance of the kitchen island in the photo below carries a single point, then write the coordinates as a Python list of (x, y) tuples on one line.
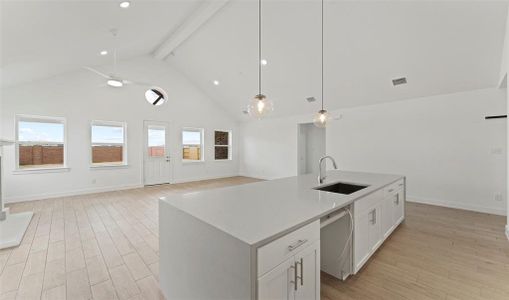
[(262, 240)]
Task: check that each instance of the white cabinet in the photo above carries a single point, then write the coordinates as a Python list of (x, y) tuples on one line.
[(398, 207), (367, 234), (387, 216), (276, 284), (376, 217), (289, 267), (393, 210), (375, 228), (308, 269)]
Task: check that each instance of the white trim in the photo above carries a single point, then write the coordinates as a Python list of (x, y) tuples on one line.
[(507, 231), (40, 170), (106, 167), (458, 205), (192, 161), (34, 197), (122, 124), (167, 148), (229, 146), (41, 119), (202, 143), (503, 82)]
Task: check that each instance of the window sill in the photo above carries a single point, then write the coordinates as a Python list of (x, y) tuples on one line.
[(185, 162), (106, 167), (40, 170), (223, 160)]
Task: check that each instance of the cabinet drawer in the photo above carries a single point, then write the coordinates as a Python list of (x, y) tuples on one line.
[(394, 188), (367, 202), (276, 252)]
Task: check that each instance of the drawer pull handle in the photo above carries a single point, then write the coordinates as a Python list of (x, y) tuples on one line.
[(401, 184), (396, 201), (295, 276), (391, 190), (296, 245), (301, 271)]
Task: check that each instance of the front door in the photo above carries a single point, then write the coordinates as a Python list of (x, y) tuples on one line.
[(157, 164)]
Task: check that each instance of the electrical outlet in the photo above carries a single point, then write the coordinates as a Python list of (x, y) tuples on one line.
[(498, 197)]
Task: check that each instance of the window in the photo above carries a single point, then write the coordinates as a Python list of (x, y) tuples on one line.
[(222, 145), (108, 143), (192, 144), (40, 142), (156, 141)]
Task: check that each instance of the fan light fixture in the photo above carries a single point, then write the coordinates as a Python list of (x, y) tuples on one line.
[(115, 82), (260, 106), (322, 116), (125, 4)]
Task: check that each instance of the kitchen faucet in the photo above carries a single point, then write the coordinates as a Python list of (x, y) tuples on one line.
[(321, 177)]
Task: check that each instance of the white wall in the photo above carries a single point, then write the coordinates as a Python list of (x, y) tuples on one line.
[(442, 144), (79, 98), (504, 68), (311, 141)]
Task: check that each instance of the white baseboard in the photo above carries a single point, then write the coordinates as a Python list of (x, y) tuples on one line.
[(200, 178), (101, 190), (71, 193), (507, 231), (458, 205)]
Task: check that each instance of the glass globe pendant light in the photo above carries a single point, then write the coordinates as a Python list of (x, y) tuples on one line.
[(260, 105), (322, 117)]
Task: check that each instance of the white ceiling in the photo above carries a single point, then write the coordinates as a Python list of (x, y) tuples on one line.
[(440, 46), (43, 38)]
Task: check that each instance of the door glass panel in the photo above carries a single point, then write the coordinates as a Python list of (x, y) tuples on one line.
[(156, 142)]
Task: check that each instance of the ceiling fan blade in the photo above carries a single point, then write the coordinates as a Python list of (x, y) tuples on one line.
[(138, 83), (97, 72)]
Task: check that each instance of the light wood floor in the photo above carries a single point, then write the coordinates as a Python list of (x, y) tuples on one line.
[(105, 246)]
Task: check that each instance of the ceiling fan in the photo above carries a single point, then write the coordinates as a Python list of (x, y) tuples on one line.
[(114, 80)]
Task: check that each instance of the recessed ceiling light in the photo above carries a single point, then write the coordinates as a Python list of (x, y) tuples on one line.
[(125, 4), (104, 52), (215, 82), (263, 62)]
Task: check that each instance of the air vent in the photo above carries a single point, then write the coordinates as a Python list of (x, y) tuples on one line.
[(310, 99), (399, 81)]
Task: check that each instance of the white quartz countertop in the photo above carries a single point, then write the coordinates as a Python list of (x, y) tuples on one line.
[(256, 213)]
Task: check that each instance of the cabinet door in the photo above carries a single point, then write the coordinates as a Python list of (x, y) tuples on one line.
[(375, 228), (398, 207), (387, 213), (361, 239), (276, 284), (307, 265)]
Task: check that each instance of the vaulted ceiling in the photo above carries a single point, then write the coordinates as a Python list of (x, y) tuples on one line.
[(440, 46), (42, 38)]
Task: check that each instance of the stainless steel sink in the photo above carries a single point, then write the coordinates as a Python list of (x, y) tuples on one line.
[(341, 188)]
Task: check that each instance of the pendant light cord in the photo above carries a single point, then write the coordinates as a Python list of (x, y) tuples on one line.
[(259, 47), (322, 54)]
